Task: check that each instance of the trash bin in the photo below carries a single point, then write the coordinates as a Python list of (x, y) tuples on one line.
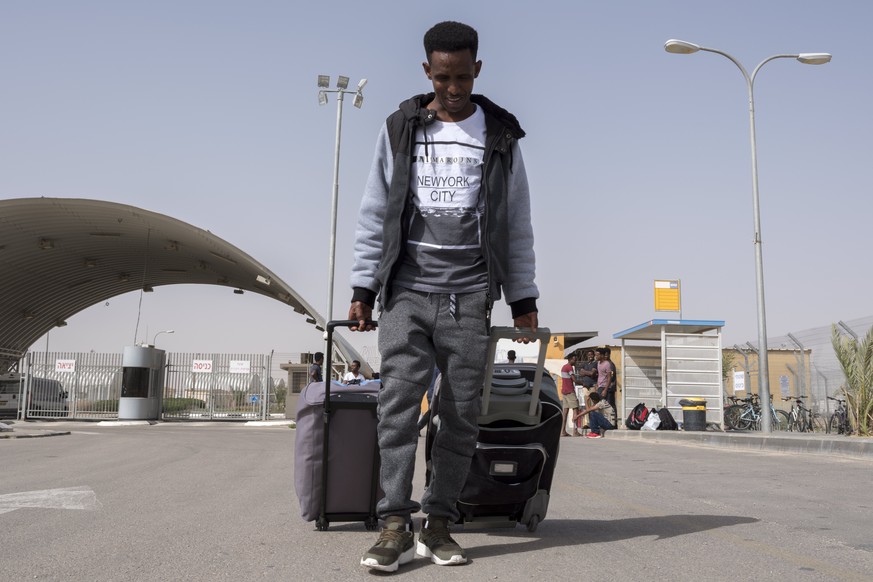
[(693, 413)]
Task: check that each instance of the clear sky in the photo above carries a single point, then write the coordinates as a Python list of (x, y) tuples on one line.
[(639, 160)]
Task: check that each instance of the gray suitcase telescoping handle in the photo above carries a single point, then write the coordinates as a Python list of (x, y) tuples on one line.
[(542, 335), (328, 355)]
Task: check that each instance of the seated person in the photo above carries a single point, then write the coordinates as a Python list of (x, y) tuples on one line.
[(599, 412), (354, 376)]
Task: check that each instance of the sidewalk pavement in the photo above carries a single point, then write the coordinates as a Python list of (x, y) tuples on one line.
[(778, 442)]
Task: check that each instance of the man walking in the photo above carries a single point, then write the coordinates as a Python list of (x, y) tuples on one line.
[(569, 401), (444, 230)]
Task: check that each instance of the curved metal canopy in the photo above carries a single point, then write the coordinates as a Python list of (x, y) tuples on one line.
[(59, 256)]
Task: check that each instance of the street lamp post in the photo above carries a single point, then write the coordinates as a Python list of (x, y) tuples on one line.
[(686, 48), (342, 84), (154, 339)]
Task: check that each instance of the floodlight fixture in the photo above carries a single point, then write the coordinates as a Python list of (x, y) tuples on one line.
[(324, 81), (359, 100), (322, 98), (342, 83), (364, 82)]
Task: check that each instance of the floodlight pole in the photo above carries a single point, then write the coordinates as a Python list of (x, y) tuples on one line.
[(333, 205), (340, 93), (683, 47)]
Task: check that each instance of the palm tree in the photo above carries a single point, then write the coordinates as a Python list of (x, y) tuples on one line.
[(856, 359)]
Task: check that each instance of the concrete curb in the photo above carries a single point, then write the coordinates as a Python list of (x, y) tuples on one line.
[(32, 434), (278, 423), (844, 446)]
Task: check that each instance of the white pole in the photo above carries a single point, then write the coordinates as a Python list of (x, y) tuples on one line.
[(333, 212)]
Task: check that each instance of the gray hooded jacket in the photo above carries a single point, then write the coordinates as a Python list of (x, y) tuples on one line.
[(386, 207)]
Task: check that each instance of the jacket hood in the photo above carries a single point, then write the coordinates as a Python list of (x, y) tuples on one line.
[(416, 108)]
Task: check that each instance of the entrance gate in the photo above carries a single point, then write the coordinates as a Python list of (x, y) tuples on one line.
[(87, 386), (71, 385), (218, 386)]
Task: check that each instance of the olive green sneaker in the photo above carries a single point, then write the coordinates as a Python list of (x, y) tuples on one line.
[(393, 548), (434, 542)]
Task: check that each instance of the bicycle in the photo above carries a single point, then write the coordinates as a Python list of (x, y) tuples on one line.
[(839, 421), (748, 415), (803, 419)]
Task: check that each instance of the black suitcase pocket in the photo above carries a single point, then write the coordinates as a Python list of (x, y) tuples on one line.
[(502, 474)]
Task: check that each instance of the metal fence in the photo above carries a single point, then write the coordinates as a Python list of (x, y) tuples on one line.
[(219, 386), (815, 371), (75, 385), (87, 386)]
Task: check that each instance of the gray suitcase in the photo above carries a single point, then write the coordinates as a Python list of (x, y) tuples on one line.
[(336, 453)]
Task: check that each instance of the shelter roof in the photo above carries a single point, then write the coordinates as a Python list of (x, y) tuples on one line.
[(651, 330), (59, 256)]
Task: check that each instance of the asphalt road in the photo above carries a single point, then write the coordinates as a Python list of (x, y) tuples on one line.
[(216, 501)]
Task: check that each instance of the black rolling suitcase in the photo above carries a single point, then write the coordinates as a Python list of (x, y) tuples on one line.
[(336, 453), (519, 432)]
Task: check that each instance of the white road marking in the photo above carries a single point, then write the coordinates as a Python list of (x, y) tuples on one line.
[(82, 498)]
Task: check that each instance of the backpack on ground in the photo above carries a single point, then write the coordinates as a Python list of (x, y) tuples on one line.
[(667, 420), (637, 418)]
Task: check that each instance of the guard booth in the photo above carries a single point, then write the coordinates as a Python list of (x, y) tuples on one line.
[(664, 361), (142, 379)]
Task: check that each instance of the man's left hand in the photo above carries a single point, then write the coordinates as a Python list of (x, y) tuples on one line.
[(525, 322)]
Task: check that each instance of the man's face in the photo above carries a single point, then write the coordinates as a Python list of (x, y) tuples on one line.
[(589, 356), (598, 356), (452, 75), (354, 367)]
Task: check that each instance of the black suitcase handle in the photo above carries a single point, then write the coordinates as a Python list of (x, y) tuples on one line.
[(541, 335)]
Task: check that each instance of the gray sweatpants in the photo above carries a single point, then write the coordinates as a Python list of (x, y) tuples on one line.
[(416, 331)]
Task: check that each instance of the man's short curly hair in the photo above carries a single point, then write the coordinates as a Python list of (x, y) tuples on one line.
[(451, 37)]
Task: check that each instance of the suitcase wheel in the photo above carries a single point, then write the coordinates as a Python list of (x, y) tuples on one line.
[(533, 522), (371, 523), (321, 524)]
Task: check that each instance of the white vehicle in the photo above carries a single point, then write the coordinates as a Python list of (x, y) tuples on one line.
[(10, 394), (45, 397)]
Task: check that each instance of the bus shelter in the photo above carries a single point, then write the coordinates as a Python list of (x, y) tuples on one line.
[(665, 361)]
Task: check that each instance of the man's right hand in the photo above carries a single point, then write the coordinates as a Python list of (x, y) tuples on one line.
[(363, 314)]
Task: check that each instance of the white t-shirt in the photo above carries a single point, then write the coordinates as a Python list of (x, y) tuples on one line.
[(444, 241), (352, 376)]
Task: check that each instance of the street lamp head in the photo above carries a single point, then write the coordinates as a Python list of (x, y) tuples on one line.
[(154, 339), (359, 100), (342, 83), (324, 81), (322, 98), (814, 58), (680, 47), (361, 85)]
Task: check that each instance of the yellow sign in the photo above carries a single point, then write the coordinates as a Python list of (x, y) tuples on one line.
[(667, 296)]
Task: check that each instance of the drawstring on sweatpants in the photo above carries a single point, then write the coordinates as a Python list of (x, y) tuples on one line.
[(453, 306)]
